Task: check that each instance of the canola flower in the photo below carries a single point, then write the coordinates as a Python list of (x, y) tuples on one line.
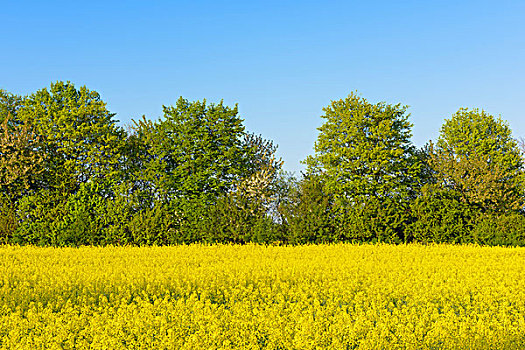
[(339, 296)]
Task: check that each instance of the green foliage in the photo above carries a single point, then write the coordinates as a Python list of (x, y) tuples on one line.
[(8, 219), (195, 151), (62, 153), (232, 218), (80, 139), (308, 214), (151, 227), (440, 217), (376, 220), (364, 150), (474, 188), (9, 105), (21, 161), (476, 157), (200, 164), (364, 155), (500, 229), (40, 224), (70, 176)]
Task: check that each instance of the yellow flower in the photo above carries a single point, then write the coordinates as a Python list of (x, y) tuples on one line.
[(263, 297)]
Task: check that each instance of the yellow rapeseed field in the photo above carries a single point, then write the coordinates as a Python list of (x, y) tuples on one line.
[(263, 297)]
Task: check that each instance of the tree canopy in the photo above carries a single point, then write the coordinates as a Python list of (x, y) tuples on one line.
[(477, 157), (199, 149), (81, 140), (364, 149), (70, 175)]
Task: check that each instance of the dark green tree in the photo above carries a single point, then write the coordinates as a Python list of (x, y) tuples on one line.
[(308, 213)]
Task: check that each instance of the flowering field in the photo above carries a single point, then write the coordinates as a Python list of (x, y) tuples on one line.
[(254, 297)]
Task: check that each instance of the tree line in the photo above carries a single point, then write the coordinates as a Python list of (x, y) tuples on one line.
[(70, 175)]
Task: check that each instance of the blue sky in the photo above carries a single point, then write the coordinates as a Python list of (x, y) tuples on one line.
[(281, 61)]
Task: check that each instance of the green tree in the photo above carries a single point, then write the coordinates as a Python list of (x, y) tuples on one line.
[(80, 146), (477, 158), (80, 138), (195, 150), (308, 213), (200, 149), (364, 150), (364, 154), (197, 163)]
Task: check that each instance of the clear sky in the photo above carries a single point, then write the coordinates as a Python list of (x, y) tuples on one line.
[(281, 61)]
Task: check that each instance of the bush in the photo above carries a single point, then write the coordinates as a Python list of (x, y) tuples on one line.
[(231, 218), (47, 218), (8, 220), (373, 221), (500, 229), (440, 216), (308, 214)]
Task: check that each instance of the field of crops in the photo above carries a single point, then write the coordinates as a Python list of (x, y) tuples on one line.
[(255, 297)]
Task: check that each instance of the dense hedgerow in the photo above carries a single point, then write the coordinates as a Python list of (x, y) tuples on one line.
[(71, 176)]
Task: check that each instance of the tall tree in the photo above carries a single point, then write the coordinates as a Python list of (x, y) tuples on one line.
[(364, 151), (367, 163), (80, 136), (200, 166), (477, 158), (194, 150), (200, 149)]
